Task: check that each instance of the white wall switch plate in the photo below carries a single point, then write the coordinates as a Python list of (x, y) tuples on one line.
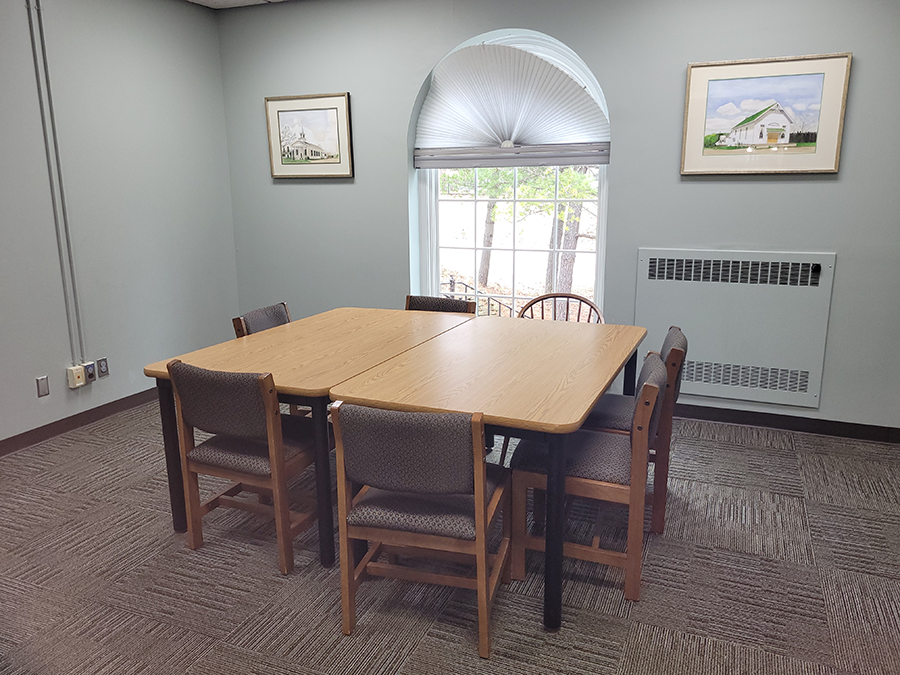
[(75, 376)]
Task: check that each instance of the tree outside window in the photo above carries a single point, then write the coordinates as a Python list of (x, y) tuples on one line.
[(506, 235)]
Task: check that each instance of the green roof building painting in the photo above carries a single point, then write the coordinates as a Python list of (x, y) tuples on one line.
[(767, 127)]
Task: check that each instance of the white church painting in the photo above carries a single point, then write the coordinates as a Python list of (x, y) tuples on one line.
[(309, 136), (778, 113)]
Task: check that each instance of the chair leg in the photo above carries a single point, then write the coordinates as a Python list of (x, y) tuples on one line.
[(283, 527), (192, 506), (484, 607), (507, 515), (660, 490), (348, 584), (635, 543), (519, 504), (503, 451)]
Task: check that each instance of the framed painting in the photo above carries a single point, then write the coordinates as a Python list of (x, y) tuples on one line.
[(309, 136), (780, 115)]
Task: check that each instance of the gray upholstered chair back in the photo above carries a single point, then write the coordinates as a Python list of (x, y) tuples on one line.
[(220, 402), (266, 317), (427, 303), (653, 372), (408, 452), (675, 339)]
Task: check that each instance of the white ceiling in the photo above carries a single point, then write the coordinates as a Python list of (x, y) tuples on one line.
[(225, 4)]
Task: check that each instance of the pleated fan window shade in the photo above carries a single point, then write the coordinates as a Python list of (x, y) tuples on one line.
[(498, 104)]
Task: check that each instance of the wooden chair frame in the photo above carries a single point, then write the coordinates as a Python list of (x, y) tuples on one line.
[(274, 500), (471, 305), (660, 445), (633, 495), (490, 569), (527, 312)]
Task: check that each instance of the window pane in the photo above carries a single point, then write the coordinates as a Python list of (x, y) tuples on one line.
[(531, 273), (587, 241), (457, 270), (501, 235), (578, 182), (577, 223), (457, 184), (456, 223), (494, 306), (496, 183), (537, 182), (534, 224), (576, 273), (495, 272)]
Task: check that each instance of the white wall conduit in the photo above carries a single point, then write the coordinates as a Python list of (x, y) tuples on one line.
[(513, 100)]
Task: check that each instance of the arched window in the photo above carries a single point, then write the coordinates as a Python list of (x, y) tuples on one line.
[(511, 148)]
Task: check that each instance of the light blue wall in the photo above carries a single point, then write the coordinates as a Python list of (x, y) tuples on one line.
[(177, 224), (137, 89), (320, 244)]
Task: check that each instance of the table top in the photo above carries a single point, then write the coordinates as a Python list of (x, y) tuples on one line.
[(307, 357), (526, 374)]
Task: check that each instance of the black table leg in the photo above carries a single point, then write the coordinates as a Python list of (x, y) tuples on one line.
[(553, 533), (630, 375), (323, 481), (173, 454)]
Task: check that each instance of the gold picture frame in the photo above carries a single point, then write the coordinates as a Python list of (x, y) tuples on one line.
[(309, 136), (776, 115)]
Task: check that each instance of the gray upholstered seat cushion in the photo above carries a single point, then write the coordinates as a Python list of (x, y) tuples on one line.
[(248, 456), (589, 454), (612, 411), (442, 515)]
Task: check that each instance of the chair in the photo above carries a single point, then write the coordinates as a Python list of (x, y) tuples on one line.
[(426, 493), (261, 319), (427, 303), (562, 307), (607, 466), (614, 411), (252, 444)]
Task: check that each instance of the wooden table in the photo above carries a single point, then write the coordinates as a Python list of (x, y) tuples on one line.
[(531, 379), (306, 358)]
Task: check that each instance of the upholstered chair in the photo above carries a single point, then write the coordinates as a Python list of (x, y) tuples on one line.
[(252, 444), (427, 303), (614, 411), (426, 492), (606, 466)]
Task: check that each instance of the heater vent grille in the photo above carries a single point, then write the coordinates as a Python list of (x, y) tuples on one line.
[(719, 270), (751, 377)]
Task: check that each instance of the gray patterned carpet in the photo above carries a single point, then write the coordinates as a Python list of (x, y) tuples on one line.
[(781, 555)]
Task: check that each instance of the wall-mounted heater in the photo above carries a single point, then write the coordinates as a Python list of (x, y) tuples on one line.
[(755, 320)]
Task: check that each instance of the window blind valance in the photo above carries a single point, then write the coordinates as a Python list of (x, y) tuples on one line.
[(499, 104)]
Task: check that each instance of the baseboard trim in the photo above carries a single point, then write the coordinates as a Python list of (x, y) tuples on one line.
[(67, 424), (866, 432)]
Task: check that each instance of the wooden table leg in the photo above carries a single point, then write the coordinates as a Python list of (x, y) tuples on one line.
[(173, 454), (323, 481), (630, 375), (553, 533)]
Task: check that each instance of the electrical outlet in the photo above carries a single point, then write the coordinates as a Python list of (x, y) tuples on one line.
[(90, 371), (43, 386), (102, 367), (75, 376)]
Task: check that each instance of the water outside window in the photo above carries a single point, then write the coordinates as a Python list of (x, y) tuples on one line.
[(506, 235)]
